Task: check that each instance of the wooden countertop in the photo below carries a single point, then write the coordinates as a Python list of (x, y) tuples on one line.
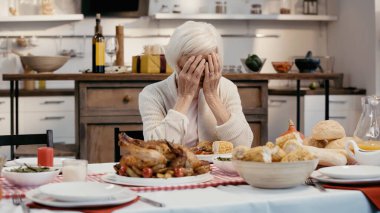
[(156, 77)]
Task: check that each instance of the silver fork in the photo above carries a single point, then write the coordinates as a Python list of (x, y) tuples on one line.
[(311, 182), (17, 201)]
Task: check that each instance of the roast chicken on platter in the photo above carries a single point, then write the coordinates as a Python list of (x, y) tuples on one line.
[(157, 159)]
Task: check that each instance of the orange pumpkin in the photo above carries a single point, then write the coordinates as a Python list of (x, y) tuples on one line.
[(292, 129)]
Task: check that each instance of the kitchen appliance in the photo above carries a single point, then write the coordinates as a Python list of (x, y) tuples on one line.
[(115, 8)]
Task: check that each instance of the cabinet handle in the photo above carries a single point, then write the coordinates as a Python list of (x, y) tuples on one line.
[(337, 117), (2, 102), (2, 119), (126, 99), (278, 101), (53, 118), (53, 102), (337, 102)]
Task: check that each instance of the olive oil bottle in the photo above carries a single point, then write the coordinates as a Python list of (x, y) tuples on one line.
[(98, 48)]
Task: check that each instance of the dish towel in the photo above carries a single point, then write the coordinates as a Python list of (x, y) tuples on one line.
[(372, 192), (99, 209)]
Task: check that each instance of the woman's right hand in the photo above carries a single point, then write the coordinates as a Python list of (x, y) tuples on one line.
[(188, 82)]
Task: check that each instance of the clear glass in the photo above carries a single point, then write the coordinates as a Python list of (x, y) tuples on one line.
[(367, 132), (74, 170), (112, 46)]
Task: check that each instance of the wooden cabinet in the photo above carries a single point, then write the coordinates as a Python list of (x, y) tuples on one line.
[(104, 105)]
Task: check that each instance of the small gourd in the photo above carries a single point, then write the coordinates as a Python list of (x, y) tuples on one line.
[(292, 129)]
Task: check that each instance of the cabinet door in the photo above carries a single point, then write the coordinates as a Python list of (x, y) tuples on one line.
[(47, 104), (4, 105), (280, 110), (5, 123)]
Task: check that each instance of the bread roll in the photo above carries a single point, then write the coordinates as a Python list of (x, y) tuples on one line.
[(328, 130), (280, 141), (328, 157), (317, 143), (222, 147), (339, 143), (276, 151), (258, 154), (299, 154), (291, 145)]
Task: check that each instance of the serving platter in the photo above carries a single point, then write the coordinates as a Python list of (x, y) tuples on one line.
[(210, 158), (32, 162), (351, 172), (326, 179), (134, 181)]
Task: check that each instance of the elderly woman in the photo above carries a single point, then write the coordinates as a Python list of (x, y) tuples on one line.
[(195, 103)]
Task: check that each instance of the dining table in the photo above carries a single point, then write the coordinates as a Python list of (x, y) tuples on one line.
[(232, 198)]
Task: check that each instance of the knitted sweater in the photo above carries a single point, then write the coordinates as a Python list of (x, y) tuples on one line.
[(160, 121)]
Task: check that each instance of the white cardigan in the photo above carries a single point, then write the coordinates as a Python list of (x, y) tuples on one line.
[(161, 121)]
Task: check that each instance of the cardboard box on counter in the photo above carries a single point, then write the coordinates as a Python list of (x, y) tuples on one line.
[(150, 64)]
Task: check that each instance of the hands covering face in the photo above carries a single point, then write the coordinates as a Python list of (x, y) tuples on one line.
[(192, 73)]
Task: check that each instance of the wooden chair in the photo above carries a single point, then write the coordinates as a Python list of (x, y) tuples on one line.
[(26, 139), (133, 134)]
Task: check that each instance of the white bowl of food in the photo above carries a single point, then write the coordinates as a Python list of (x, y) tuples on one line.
[(29, 175), (224, 163), (275, 175)]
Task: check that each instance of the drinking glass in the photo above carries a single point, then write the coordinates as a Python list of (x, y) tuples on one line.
[(74, 170), (112, 46)]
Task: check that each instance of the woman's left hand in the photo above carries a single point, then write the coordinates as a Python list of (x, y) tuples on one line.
[(212, 77)]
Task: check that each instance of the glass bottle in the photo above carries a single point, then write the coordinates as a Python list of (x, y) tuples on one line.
[(98, 48), (367, 132)]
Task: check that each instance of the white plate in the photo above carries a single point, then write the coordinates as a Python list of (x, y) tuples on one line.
[(132, 181), (80, 191), (36, 196), (209, 158), (326, 179), (33, 162), (351, 172)]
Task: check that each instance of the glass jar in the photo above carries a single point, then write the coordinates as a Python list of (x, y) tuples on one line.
[(256, 9), (285, 7), (13, 7), (310, 7), (47, 7), (218, 7)]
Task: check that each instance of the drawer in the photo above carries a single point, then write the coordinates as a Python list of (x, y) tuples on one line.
[(50, 104), (5, 105), (62, 123), (337, 102), (251, 99), (5, 124), (125, 100)]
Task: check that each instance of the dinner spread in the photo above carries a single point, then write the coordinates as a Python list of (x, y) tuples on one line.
[(157, 159), (209, 148)]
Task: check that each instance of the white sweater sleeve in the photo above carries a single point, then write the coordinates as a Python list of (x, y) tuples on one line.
[(159, 124), (236, 129)]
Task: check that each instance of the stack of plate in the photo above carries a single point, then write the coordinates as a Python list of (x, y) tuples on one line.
[(91, 194), (356, 174)]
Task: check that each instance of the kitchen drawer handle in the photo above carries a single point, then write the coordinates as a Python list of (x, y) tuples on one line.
[(53, 118), (337, 117), (2, 102), (53, 102), (2, 119), (278, 101), (126, 99), (337, 102)]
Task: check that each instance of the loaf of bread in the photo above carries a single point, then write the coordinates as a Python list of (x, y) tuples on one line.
[(328, 130), (222, 147), (328, 157)]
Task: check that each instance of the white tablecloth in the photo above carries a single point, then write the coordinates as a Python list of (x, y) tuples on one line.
[(243, 198)]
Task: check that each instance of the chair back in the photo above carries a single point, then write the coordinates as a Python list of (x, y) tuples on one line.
[(26, 139), (133, 134)]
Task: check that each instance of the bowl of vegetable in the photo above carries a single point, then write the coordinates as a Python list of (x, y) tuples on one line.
[(224, 164), (282, 66), (29, 175), (307, 64), (253, 63)]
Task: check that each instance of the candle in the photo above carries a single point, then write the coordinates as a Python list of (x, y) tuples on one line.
[(45, 156), (74, 170)]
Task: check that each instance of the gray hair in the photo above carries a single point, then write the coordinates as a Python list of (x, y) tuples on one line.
[(193, 38)]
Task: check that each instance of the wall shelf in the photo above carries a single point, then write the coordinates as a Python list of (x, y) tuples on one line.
[(42, 18), (268, 17)]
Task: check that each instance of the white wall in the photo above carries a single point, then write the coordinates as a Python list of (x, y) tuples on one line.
[(353, 40), (295, 38)]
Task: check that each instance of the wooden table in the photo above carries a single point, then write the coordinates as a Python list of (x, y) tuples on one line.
[(260, 80)]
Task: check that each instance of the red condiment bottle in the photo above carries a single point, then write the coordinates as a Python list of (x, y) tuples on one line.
[(45, 156)]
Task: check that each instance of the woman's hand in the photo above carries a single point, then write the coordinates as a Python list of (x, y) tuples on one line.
[(213, 74), (188, 82)]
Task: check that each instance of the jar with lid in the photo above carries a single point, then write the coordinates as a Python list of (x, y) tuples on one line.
[(285, 7), (218, 7), (47, 7), (176, 8), (310, 7), (256, 9)]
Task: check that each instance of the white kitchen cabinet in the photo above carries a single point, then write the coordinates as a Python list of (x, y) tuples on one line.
[(5, 122), (346, 109), (37, 114), (280, 110)]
